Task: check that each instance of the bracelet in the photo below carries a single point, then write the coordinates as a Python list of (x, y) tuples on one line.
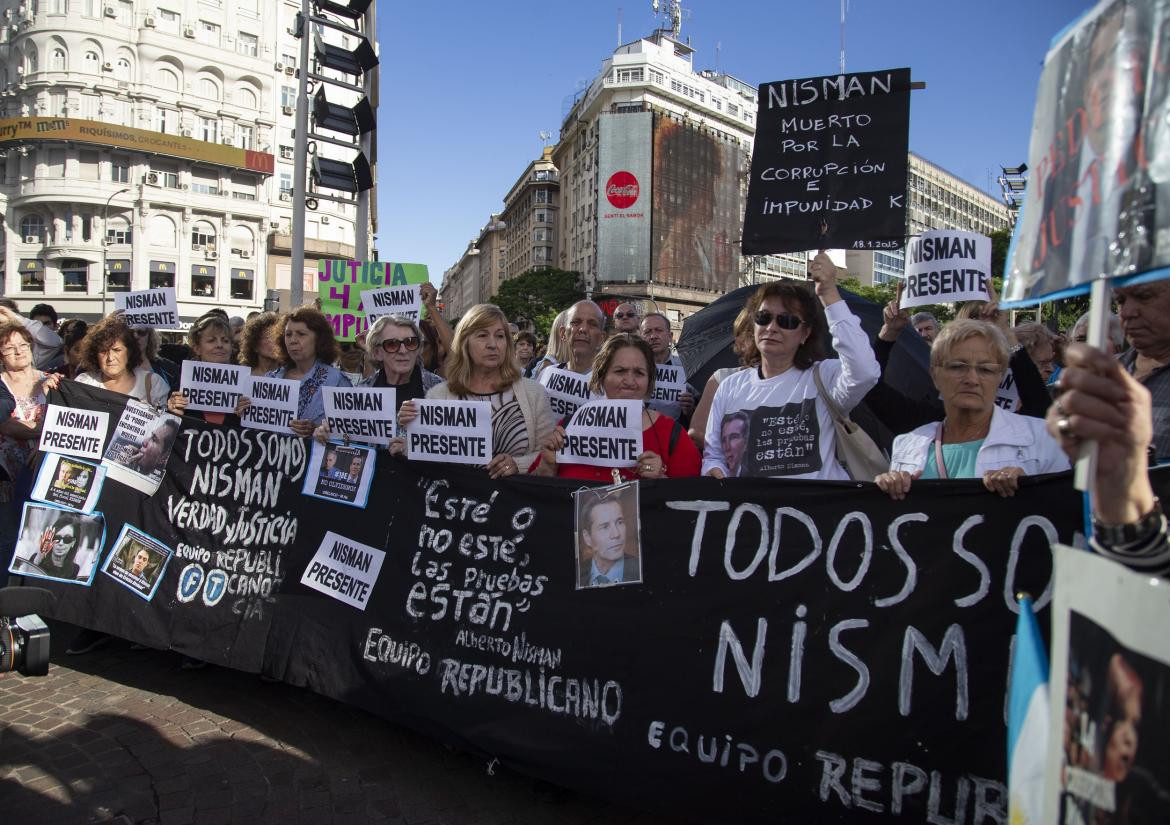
[(1117, 535)]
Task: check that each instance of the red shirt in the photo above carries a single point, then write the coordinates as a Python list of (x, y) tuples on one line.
[(683, 462)]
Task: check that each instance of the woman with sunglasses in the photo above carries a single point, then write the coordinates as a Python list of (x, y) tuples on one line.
[(975, 439), (210, 340), (394, 344), (788, 431)]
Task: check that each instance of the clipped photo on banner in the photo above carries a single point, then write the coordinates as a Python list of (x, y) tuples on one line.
[(608, 536), (137, 561), (61, 545), (340, 472), (1108, 762), (142, 443), (1095, 206), (69, 482)]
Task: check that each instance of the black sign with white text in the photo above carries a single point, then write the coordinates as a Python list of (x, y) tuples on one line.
[(795, 651), (829, 164)]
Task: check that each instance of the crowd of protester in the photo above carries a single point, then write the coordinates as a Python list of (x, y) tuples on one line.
[(770, 416)]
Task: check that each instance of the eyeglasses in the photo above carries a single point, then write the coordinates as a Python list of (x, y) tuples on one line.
[(958, 369), (625, 315), (783, 320), (394, 344), (15, 348)]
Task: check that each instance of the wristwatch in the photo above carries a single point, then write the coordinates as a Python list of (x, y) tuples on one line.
[(1119, 535)]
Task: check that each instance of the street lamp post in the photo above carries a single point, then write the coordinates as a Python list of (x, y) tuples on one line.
[(106, 244)]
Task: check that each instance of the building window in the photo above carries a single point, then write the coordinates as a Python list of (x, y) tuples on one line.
[(57, 60), (162, 274), (208, 33), (208, 88), (288, 96), (75, 275), (204, 184), (543, 196), (246, 44), (117, 232), (657, 77), (125, 13), (120, 169), (629, 75), (166, 121), (202, 237), (286, 183), (32, 226), (169, 21), (241, 285), (32, 278), (244, 137), (202, 281), (209, 129), (91, 8), (118, 276), (289, 60)]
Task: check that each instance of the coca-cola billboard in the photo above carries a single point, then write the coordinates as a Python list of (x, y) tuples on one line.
[(623, 202), (621, 190)]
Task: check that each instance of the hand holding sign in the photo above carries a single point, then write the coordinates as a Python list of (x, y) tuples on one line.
[(894, 318), (548, 453), (823, 272)]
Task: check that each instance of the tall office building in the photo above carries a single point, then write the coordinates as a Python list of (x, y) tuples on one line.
[(935, 199), (151, 144)]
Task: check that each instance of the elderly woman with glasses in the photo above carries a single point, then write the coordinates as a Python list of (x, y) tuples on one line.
[(482, 367), (112, 358), (394, 345), (976, 439), (788, 431), (28, 385)]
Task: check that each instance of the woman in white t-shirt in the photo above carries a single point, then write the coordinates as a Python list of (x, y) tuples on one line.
[(768, 421)]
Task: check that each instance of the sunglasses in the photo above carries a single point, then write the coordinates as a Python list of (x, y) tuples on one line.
[(783, 320), (394, 344), (625, 315)]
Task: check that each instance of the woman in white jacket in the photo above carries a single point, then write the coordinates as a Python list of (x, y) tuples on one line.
[(977, 439)]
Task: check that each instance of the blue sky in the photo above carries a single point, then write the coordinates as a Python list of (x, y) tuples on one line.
[(467, 87)]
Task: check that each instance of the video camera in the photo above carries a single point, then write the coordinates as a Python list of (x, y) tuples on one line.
[(24, 636)]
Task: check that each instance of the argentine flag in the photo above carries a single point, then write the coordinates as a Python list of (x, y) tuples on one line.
[(1027, 721)]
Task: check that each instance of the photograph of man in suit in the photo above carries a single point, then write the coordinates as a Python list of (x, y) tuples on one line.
[(605, 525)]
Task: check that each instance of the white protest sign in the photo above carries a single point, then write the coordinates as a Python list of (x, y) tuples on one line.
[(74, 432), (360, 413), (670, 382), (344, 569), (945, 265), (393, 300), (157, 308), (567, 390), (1007, 395), (274, 404), (214, 387), (604, 434), (456, 432)]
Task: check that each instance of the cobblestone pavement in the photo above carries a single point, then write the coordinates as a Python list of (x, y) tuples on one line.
[(127, 736)]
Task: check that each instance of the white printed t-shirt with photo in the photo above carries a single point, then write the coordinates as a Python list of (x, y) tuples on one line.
[(790, 433)]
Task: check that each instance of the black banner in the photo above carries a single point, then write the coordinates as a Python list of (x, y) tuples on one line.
[(796, 651), (829, 164)]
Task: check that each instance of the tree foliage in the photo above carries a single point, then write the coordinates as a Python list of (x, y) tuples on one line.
[(538, 295), (882, 294)]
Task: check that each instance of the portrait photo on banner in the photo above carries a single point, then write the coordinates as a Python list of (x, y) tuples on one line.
[(1116, 765), (58, 544), (340, 472), (142, 443), (69, 482), (608, 536), (137, 561)]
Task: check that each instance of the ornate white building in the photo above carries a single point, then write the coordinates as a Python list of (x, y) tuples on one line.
[(152, 141)]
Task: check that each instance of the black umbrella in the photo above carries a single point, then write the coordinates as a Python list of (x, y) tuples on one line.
[(705, 346)]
